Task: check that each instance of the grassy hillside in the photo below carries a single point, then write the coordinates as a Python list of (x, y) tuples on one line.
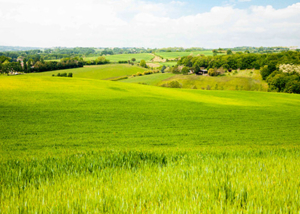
[(97, 71), (152, 79), (168, 63), (122, 57), (172, 55), (243, 80), (88, 145)]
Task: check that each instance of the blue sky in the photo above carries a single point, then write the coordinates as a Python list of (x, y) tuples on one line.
[(204, 6), (200, 6), (158, 23)]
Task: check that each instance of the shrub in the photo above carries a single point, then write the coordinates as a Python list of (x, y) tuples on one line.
[(265, 72), (119, 78), (70, 75), (139, 74), (293, 87), (213, 72), (174, 84), (58, 74), (185, 70), (148, 72), (143, 63)]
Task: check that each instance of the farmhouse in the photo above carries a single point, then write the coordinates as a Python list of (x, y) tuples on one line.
[(201, 72)]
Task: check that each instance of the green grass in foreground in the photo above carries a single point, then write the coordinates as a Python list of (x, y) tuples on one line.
[(172, 55), (152, 79), (97, 71), (121, 57), (244, 80), (75, 145)]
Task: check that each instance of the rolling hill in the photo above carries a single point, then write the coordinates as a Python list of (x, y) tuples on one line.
[(86, 145)]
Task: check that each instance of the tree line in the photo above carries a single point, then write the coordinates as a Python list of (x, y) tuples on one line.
[(40, 65), (280, 70)]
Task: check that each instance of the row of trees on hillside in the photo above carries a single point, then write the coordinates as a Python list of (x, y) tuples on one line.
[(27, 66), (286, 78), (241, 61)]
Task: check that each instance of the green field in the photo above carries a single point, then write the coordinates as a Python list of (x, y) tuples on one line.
[(152, 79), (172, 55), (243, 80), (168, 63), (124, 57), (97, 71), (85, 145)]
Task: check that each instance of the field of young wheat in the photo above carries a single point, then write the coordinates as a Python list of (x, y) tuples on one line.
[(84, 145)]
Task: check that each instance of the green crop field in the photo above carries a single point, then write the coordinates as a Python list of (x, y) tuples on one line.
[(243, 80), (97, 71), (124, 57), (152, 79), (84, 145), (172, 55), (168, 63)]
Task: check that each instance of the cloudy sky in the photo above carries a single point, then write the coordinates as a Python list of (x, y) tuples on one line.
[(158, 23)]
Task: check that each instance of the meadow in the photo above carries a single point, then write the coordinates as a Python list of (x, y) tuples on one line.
[(153, 79), (124, 57), (97, 71), (173, 55), (86, 145), (248, 80)]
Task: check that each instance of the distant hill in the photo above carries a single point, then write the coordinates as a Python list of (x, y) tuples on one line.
[(17, 48)]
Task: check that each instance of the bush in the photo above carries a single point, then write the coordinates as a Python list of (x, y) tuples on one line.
[(70, 75), (213, 72), (265, 72), (148, 72), (185, 70), (143, 63), (139, 74), (174, 84), (293, 87), (119, 78)]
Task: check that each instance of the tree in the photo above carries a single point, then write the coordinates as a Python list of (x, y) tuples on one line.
[(163, 69), (133, 59), (265, 72), (101, 60), (215, 52), (185, 70), (25, 64), (229, 52), (143, 63), (213, 72)]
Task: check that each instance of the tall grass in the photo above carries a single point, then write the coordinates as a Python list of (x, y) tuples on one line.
[(223, 181), (80, 145)]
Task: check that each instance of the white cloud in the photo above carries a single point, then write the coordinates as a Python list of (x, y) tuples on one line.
[(141, 23)]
